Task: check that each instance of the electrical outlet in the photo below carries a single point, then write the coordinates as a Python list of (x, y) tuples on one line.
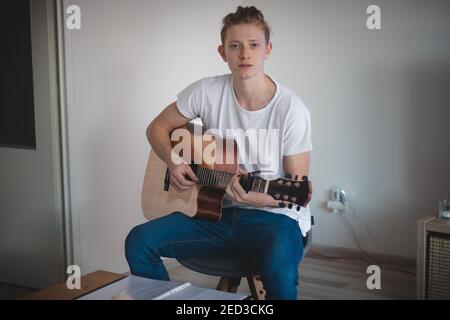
[(335, 193), (338, 199), (338, 194)]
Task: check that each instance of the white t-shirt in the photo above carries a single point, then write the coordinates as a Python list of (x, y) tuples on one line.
[(282, 127)]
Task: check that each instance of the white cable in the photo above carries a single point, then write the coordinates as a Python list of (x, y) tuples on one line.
[(366, 226), (362, 251)]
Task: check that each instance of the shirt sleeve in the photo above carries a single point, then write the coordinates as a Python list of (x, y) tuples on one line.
[(190, 100), (297, 133)]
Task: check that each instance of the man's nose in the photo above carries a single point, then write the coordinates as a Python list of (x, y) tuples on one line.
[(244, 54)]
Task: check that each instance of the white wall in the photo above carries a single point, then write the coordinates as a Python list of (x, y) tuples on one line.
[(378, 99)]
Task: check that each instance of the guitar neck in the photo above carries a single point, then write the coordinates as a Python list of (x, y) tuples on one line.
[(220, 179)]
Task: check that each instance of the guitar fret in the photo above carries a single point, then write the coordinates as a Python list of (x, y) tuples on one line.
[(261, 185), (225, 180), (204, 182), (200, 175), (218, 179), (208, 178), (218, 184), (215, 179)]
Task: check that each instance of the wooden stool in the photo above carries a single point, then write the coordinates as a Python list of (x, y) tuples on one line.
[(232, 268)]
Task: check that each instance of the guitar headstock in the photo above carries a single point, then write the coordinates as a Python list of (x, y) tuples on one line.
[(291, 192)]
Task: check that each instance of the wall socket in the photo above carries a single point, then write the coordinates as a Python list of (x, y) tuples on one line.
[(338, 200), (338, 194)]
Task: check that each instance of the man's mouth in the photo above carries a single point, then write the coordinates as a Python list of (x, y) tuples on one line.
[(245, 65)]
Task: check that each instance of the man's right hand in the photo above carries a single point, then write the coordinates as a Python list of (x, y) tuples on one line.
[(178, 174)]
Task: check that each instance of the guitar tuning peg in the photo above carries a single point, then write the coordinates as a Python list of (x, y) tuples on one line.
[(290, 205), (298, 208), (288, 176), (281, 204)]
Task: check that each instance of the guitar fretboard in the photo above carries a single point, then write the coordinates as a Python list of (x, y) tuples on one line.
[(220, 179)]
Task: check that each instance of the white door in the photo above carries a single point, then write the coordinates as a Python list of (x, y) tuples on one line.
[(32, 244)]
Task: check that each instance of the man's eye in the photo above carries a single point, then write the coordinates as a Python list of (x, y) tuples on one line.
[(253, 45)]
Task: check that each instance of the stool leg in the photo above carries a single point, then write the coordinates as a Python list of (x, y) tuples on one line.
[(229, 284), (256, 288)]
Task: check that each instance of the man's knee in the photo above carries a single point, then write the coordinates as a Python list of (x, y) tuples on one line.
[(145, 239), (132, 240), (140, 242)]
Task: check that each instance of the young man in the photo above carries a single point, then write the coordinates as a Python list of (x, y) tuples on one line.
[(252, 223)]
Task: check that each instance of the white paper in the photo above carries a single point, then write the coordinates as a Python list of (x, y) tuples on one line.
[(139, 288)]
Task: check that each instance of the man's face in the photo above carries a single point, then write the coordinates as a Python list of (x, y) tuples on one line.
[(245, 50)]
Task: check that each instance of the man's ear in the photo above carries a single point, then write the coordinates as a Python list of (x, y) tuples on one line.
[(221, 51), (268, 50)]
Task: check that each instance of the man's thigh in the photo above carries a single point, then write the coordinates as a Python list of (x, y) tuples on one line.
[(179, 236), (265, 235)]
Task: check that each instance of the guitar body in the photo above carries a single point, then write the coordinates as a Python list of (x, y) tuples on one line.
[(198, 201)]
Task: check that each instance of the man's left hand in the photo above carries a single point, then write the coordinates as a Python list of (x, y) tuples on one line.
[(254, 199)]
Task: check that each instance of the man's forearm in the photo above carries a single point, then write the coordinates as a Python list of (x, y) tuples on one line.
[(159, 139)]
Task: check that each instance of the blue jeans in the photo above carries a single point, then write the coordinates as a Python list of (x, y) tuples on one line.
[(273, 241)]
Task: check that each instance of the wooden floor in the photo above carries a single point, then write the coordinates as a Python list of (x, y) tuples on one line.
[(323, 278), (320, 278)]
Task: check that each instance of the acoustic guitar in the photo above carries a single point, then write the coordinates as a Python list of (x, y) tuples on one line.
[(204, 199)]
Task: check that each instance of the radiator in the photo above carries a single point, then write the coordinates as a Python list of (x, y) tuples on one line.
[(433, 259)]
